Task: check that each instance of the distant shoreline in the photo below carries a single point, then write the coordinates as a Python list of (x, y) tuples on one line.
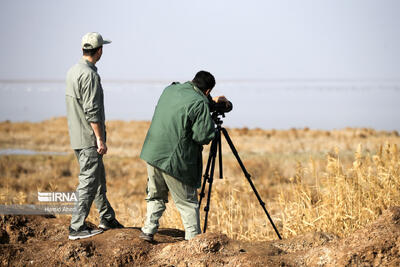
[(269, 104)]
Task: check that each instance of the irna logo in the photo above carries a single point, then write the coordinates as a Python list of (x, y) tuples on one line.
[(58, 196)]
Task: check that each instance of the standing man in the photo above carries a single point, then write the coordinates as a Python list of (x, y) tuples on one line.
[(87, 130), (181, 125)]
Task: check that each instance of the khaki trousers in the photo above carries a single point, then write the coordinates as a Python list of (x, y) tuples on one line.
[(91, 188), (184, 196)]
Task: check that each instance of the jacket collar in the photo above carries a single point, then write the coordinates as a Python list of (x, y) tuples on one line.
[(88, 63), (198, 90)]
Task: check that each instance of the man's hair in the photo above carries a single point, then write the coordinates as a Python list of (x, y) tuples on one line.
[(204, 80), (91, 52)]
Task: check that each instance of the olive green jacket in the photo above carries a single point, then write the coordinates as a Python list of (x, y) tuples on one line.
[(85, 104), (181, 125)]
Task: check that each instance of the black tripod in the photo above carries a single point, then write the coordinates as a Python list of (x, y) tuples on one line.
[(209, 173)]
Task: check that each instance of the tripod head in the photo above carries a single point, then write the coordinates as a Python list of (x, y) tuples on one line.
[(218, 110), (217, 117)]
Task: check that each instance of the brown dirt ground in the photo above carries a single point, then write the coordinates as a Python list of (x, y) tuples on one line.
[(43, 241)]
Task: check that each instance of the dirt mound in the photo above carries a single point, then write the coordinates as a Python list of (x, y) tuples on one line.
[(40, 241), (378, 244)]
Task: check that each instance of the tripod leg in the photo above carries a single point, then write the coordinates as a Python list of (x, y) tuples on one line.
[(221, 175), (210, 183), (206, 173), (247, 175), (213, 155)]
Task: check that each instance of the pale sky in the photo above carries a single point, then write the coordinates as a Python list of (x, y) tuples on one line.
[(235, 40)]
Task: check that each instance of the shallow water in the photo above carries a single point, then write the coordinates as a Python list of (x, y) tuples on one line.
[(264, 104)]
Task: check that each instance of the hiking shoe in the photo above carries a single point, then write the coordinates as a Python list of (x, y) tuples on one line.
[(83, 232), (113, 224), (147, 237)]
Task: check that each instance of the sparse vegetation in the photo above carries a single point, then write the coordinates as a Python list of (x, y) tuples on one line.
[(333, 181)]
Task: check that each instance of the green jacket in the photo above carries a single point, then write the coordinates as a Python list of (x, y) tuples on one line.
[(85, 104), (181, 125)]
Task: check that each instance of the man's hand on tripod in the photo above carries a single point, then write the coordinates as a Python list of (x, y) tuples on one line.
[(219, 99), (222, 99)]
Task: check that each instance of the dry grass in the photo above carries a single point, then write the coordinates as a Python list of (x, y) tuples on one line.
[(310, 180), (341, 200)]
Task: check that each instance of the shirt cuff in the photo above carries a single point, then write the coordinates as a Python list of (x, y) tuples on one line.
[(93, 117)]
